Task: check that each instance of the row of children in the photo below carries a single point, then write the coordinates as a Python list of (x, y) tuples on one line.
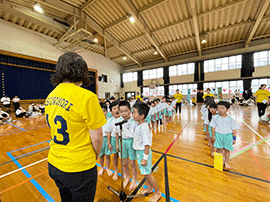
[(219, 127), (137, 140)]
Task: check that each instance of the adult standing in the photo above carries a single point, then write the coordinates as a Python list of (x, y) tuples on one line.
[(16, 102), (208, 93), (262, 99), (6, 103), (76, 119), (178, 96)]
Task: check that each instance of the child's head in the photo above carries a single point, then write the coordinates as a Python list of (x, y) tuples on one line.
[(155, 101), (153, 104), (164, 99), (140, 111), (169, 102), (124, 108), (223, 107), (138, 93), (107, 102), (104, 108), (213, 108), (177, 91), (158, 100), (114, 109)]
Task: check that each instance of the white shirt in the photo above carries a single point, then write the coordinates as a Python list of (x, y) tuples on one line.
[(142, 137), (19, 111), (128, 128), (104, 129), (132, 103), (170, 108), (111, 126), (5, 100), (163, 105), (16, 100), (202, 109), (3, 112), (206, 121), (41, 106), (174, 102), (205, 114), (152, 111), (224, 125)]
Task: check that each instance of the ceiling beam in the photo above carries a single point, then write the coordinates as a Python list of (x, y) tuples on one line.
[(151, 5), (33, 17), (141, 23), (262, 9), (110, 38), (196, 25), (193, 36), (86, 4), (140, 11), (203, 57)]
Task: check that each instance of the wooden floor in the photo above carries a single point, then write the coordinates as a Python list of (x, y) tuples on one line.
[(190, 166)]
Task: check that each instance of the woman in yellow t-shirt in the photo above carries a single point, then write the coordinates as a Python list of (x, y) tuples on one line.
[(208, 93), (178, 96), (138, 97), (75, 119), (262, 100)]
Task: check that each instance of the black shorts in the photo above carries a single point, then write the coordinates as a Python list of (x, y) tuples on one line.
[(7, 105), (75, 187)]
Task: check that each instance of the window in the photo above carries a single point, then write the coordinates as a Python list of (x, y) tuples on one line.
[(261, 58), (183, 69), (146, 91), (228, 87), (183, 88), (153, 73), (128, 77), (256, 83), (221, 64)]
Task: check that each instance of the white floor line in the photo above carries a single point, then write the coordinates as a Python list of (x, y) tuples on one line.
[(251, 128), (14, 171)]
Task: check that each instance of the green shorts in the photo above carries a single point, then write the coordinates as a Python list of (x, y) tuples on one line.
[(128, 150), (224, 141), (109, 115), (148, 119), (145, 170), (169, 113), (160, 115), (113, 143), (210, 131), (164, 112), (104, 147), (204, 128)]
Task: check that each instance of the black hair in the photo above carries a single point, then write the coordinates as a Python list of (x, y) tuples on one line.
[(152, 102), (158, 99), (207, 98), (212, 105), (108, 101), (124, 103), (103, 105), (263, 85), (71, 67), (208, 89), (224, 103), (138, 100), (115, 103), (142, 108), (112, 98), (169, 101), (149, 103)]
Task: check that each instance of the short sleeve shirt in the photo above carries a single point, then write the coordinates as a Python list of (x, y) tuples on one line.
[(262, 96), (179, 97), (142, 137), (128, 128), (224, 125)]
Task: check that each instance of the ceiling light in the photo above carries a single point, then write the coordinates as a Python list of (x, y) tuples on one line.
[(204, 41), (124, 58), (38, 9), (131, 19), (95, 40), (155, 53)]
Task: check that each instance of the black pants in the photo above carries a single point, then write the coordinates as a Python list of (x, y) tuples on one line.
[(261, 108), (75, 187), (178, 105), (194, 103), (21, 115), (16, 105)]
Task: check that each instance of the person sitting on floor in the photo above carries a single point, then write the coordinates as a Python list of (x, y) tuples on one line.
[(21, 112), (5, 116), (41, 107)]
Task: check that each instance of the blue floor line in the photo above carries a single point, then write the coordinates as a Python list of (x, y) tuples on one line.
[(30, 146), (33, 181), (16, 126)]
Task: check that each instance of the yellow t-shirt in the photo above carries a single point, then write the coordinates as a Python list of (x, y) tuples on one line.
[(210, 95), (70, 112), (262, 95), (137, 96), (179, 97), (193, 100)]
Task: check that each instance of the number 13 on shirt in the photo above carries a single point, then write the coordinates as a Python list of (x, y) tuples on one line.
[(62, 130)]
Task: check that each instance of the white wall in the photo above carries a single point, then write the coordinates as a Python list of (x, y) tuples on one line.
[(14, 38)]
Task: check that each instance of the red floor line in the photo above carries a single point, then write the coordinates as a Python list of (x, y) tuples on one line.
[(176, 138)]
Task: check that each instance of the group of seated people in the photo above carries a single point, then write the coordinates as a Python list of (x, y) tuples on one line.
[(20, 112)]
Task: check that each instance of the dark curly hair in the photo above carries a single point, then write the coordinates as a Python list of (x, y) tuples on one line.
[(71, 67)]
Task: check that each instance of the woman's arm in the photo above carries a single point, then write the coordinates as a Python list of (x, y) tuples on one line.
[(97, 140)]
